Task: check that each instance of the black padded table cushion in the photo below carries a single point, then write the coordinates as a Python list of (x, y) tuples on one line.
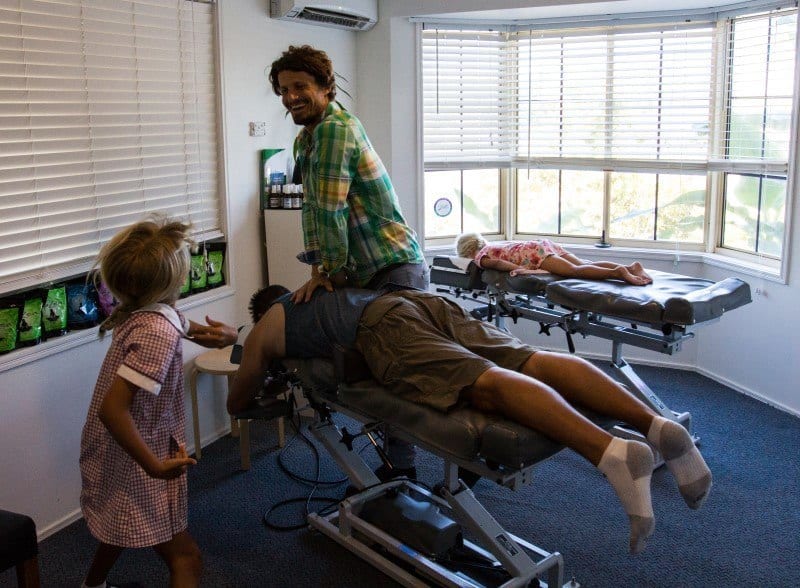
[(446, 273), (532, 284), (463, 432), (670, 299)]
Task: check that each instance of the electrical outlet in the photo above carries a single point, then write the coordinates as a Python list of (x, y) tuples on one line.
[(258, 129)]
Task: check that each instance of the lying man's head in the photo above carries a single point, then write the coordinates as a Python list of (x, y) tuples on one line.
[(263, 299)]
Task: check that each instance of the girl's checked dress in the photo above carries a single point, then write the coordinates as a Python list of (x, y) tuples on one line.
[(122, 505), (528, 254)]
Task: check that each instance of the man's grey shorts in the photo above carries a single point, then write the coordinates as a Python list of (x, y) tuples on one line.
[(428, 349)]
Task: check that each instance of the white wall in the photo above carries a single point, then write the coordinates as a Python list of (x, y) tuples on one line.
[(43, 402)]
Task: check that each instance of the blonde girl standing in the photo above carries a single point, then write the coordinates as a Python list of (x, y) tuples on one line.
[(133, 457)]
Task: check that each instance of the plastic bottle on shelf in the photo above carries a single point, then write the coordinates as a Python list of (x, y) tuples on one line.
[(275, 197), (267, 174), (287, 196), (298, 196)]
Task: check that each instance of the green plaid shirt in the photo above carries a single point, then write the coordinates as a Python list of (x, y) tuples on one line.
[(351, 215)]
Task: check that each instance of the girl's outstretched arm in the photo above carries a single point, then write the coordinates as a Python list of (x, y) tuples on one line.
[(498, 264)]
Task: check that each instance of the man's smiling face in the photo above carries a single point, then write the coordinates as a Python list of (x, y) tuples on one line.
[(303, 97)]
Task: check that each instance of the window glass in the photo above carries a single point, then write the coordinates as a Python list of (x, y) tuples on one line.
[(773, 211), (633, 206), (462, 200), (754, 213), (624, 128), (661, 207), (758, 134), (582, 203), (538, 201), (442, 203), (481, 200), (681, 212)]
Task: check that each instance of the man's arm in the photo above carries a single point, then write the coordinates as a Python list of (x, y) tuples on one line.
[(267, 341), (214, 334), (304, 292), (336, 147), (325, 215)]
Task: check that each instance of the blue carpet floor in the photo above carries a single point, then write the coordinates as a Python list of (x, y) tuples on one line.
[(747, 534)]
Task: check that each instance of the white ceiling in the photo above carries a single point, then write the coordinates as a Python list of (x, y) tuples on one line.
[(569, 9)]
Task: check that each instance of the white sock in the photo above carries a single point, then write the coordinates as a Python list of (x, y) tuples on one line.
[(683, 459), (628, 466)]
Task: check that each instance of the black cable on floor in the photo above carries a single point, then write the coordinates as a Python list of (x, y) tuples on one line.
[(315, 483)]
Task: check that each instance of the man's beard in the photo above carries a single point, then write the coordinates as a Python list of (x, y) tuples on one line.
[(305, 116)]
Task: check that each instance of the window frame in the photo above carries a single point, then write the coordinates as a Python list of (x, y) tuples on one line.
[(714, 201)]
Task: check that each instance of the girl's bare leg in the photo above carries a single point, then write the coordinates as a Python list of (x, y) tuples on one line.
[(104, 559), (562, 266), (182, 556), (635, 269)]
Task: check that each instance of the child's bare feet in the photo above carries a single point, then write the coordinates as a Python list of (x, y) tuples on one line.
[(624, 274), (637, 270)]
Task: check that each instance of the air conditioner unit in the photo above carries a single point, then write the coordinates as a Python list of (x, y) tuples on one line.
[(353, 15)]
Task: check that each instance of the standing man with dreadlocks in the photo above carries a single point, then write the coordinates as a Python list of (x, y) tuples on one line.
[(353, 231)]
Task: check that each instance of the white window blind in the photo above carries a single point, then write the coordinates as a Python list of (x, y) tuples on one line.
[(620, 94), (466, 97), (108, 111), (760, 70), (586, 98)]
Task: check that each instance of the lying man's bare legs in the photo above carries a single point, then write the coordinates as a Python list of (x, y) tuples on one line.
[(584, 385), (628, 465), (542, 398)]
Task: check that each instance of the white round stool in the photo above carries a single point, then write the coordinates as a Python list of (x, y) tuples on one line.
[(217, 363)]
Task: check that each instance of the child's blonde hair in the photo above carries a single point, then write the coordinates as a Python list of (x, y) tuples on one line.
[(468, 244), (145, 263)]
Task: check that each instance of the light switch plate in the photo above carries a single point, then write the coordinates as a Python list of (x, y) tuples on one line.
[(258, 129)]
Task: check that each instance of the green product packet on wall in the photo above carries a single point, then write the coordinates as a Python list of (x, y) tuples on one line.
[(199, 277), (216, 257), (9, 317), (54, 311), (30, 321)]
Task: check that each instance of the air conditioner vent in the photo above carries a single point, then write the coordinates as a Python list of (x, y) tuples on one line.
[(332, 18), (351, 15)]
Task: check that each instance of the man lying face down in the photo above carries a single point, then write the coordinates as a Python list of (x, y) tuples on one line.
[(431, 351)]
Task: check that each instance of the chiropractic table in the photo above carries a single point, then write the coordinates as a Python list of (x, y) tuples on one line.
[(413, 534), (446, 537), (659, 316)]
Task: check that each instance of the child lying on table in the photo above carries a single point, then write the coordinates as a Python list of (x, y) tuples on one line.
[(527, 257)]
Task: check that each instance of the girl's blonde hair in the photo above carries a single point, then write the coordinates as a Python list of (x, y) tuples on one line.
[(146, 263), (468, 244)]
